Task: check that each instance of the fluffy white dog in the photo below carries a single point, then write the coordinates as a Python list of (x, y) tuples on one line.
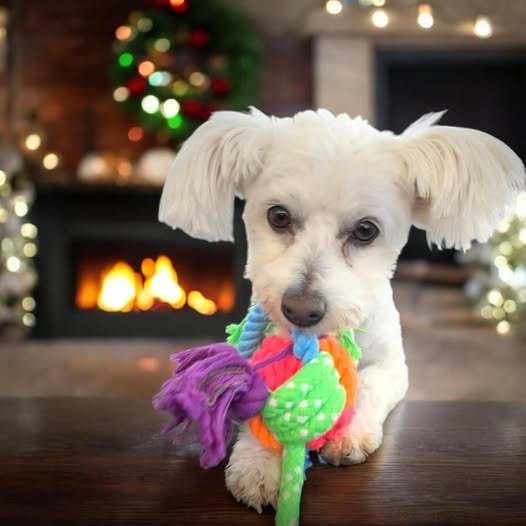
[(329, 204)]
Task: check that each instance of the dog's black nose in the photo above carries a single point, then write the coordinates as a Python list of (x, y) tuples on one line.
[(303, 310)]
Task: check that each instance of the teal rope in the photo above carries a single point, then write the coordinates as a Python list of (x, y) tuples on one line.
[(253, 331)]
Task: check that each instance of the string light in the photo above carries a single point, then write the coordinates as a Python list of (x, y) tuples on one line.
[(124, 168), (486, 312), (150, 104), (333, 7), (495, 297), (20, 207), (197, 79), (170, 108), (50, 161), (425, 16), (29, 303), (503, 327), (482, 27), (3, 177), (126, 59), (175, 122), (180, 87), (123, 33), (29, 230), (13, 264), (377, 3), (144, 24), (28, 319), (146, 68), (135, 134), (33, 142), (160, 78), (162, 45), (380, 18), (121, 94), (30, 250)]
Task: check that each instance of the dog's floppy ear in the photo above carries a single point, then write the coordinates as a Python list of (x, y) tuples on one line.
[(211, 167), (464, 180)]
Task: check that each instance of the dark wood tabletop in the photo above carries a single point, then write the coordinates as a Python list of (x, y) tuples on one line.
[(66, 461)]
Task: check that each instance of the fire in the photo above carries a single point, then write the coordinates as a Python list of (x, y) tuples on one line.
[(201, 304), (163, 284), (119, 288)]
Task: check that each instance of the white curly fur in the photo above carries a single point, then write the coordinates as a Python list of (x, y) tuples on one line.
[(329, 172)]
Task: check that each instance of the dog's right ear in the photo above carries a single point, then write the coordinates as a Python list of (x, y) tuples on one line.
[(212, 166)]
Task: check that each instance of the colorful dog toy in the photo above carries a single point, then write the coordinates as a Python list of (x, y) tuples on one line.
[(294, 394)]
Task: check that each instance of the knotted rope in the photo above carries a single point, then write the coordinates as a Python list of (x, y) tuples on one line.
[(296, 394)]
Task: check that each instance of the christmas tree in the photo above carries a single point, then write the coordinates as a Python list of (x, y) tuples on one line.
[(17, 241), (499, 284)]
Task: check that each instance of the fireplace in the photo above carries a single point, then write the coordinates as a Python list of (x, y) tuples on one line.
[(107, 268)]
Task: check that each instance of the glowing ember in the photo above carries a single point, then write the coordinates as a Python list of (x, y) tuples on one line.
[(119, 288)]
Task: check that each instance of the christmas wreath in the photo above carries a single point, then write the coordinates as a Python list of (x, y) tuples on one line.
[(176, 63)]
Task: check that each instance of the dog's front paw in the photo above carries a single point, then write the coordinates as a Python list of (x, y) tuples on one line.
[(253, 473), (360, 440)]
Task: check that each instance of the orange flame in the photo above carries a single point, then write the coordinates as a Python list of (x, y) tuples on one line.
[(120, 289)]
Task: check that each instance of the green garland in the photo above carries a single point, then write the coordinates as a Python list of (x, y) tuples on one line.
[(175, 64)]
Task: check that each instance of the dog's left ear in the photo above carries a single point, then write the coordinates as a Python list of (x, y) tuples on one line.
[(213, 165), (464, 180)]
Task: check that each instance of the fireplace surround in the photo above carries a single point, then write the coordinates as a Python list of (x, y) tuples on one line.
[(89, 231)]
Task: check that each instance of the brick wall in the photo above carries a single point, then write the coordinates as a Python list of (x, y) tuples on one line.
[(60, 54)]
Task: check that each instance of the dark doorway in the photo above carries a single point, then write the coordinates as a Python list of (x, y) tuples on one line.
[(480, 89)]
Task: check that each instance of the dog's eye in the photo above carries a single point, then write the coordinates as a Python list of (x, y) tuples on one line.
[(278, 218), (364, 232)]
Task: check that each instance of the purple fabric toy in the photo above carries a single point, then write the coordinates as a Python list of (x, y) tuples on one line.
[(210, 386)]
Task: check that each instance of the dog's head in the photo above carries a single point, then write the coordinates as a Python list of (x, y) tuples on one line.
[(330, 201)]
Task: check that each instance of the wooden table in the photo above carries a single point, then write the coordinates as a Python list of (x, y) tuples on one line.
[(74, 462)]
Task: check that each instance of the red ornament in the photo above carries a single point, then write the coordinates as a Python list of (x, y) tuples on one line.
[(205, 111), (219, 87), (191, 108), (136, 86), (197, 110), (199, 38)]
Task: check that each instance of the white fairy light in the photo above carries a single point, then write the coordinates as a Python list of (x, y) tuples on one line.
[(425, 16), (333, 7), (380, 18), (482, 27)]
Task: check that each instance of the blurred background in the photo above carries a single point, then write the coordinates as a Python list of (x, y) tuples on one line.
[(95, 100)]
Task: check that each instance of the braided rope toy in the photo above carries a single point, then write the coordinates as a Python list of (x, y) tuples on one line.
[(294, 394)]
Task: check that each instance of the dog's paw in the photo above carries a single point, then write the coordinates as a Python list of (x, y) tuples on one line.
[(359, 441), (253, 473)]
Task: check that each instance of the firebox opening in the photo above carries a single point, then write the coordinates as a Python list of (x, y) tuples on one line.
[(144, 278)]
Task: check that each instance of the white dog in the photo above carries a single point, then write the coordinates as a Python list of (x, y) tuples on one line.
[(329, 204)]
